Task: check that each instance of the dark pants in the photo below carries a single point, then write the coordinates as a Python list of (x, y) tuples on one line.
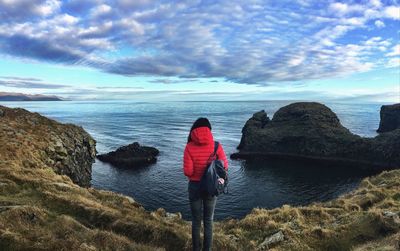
[(197, 201)]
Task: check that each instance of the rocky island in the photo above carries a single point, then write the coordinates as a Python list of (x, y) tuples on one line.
[(311, 131), (131, 156), (45, 204)]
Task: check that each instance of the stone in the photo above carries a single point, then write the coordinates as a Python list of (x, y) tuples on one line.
[(130, 199), (311, 131), (390, 118), (173, 215), (271, 240), (393, 216), (131, 156), (389, 214)]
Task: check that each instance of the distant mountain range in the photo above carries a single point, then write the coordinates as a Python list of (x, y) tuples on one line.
[(13, 96)]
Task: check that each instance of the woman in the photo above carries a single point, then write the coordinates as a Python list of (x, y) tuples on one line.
[(199, 149)]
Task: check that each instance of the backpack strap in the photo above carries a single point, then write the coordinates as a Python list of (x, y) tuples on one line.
[(213, 155), (216, 145)]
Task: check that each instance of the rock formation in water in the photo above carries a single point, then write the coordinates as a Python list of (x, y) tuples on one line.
[(309, 130), (42, 210), (131, 156), (66, 148), (259, 120), (390, 118)]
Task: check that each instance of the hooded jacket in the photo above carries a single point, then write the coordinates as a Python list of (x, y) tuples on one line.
[(198, 151)]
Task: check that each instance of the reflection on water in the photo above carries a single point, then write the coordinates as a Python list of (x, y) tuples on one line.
[(166, 126), (296, 183)]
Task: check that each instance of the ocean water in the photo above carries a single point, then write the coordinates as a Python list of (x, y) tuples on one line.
[(165, 125)]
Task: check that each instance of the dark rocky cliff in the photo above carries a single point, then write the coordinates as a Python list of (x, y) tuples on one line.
[(66, 148), (309, 130), (390, 118)]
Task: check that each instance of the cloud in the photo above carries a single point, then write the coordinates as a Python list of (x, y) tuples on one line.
[(393, 62), (12, 10), (22, 46), (345, 9), (379, 24), (20, 78), (173, 81), (244, 42), (395, 51), (393, 12), (384, 96), (101, 10), (30, 83), (119, 87), (375, 3)]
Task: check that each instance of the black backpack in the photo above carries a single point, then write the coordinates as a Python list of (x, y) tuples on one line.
[(209, 181)]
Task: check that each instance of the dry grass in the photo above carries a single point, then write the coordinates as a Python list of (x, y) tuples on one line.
[(368, 214), (41, 210)]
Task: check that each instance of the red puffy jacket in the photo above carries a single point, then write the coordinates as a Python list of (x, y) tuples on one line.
[(198, 151)]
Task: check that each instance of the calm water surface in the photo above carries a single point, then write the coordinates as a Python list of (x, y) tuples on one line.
[(165, 125)]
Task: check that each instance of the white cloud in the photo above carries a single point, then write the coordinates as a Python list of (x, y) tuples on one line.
[(394, 62), (297, 60), (354, 21), (392, 12), (67, 19), (344, 9), (379, 24), (101, 10), (97, 43), (395, 51), (49, 7), (132, 26), (339, 7), (375, 3)]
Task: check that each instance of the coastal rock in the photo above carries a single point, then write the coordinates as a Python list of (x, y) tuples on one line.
[(390, 118), (270, 240), (258, 121), (65, 148), (311, 131), (1, 113), (131, 156)]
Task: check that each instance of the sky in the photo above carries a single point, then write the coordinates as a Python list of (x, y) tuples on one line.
[(147, 50)]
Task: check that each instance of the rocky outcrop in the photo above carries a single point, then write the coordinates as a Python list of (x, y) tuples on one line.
[(259, 120), (390, 118), (66, 148), (131, 156), (43, 210), (311, 131)]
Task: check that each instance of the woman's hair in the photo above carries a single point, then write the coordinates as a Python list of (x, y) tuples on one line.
[(200, 122)]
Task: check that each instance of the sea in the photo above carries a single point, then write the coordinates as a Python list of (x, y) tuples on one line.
[(165, 125)]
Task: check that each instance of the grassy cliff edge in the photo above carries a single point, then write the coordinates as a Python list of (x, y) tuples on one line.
[(41, 209)]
